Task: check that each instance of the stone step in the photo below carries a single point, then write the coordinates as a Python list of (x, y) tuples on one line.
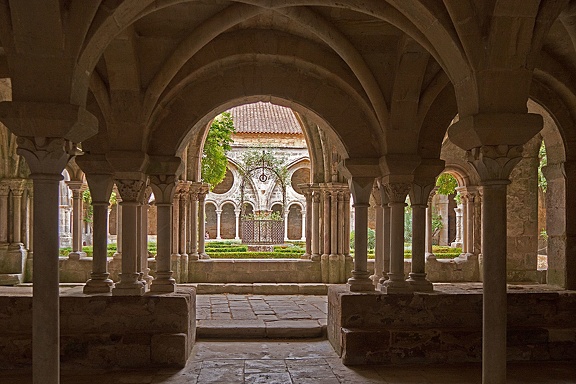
[(261, 288), (259, 329)]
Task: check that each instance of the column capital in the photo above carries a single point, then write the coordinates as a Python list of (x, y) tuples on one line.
[(494, 163), (397, 192), (164, 187), (75, 185), (17, 186), (4, 188), (46, 155), (131, 190)]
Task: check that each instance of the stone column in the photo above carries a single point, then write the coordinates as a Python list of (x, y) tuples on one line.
[(307, 220), (131, 191), (384, 200), (326, 223), (379, 243), (334, 259), (397, 193), (202, 221), (46, 158), (237, 232), (175, 244), (361, 188), (118, 253), (218, 222), (303, 225), (163, 187), (419, 195), (286, 211), (315, 246), (194, 224), (429, 229), (464, 221), (470, 213), (17, 188), (341, 239), (4, 192), (77, 187), (100, 190), (146, 278), (494, 164), (184, 192), (458, 240)]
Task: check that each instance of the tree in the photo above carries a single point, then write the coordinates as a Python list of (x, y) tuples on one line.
[(214, 161)]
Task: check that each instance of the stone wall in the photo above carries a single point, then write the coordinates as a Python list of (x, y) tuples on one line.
[(446, 326), (104, 332)]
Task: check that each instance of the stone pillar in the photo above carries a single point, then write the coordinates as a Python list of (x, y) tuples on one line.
[(202, 221), (326, 222), (419, 195), (494, 164), (46, 158), (303, 225), (218, 221), (4, 192), (163, 187), (333, 257), (77, 187), (131, 191), (315, 246), (471, 196), (118, 253), (174, 255), (237, 232), (100, 189), (429, 229), (194, 224), (184, 192), (17, 188), (458, 240), (286, 211), (379, 243), (361, 188), (146, 278), (397, 193), (384, 200), (341, 231), (464, 222)]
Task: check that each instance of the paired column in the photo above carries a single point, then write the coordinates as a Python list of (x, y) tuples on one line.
[(315, 246), (77, 187), (429, 226), (193, 255), (17, 188), (379, 243), (361, 188), (397, 193), (163, 187), (4, 224), (384, 200), (131, 191), (202, 191), (143, 238), (100, 190)]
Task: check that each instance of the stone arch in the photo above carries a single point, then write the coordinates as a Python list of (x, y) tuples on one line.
[(210, 214), (227, 220)]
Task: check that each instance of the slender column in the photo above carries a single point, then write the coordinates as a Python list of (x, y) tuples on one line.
[(17, 192), (218, 223), (464, 221), (175, 225), (458, 240), (202, 222), (315, 246), (341, 223), (429, 251), (346, 237), (361, 188), (182, 220), (237, 232), (131, 191), (146, 278), (386, 234), (303, 225), (26, 227), (397, 193), (326, 221), (118, 253), (194, 225), (379, 245), (286, 211), (4, 192), (307, 220), (470, 221), (76, 187), (334, 223), (100, 190), (139, 242), (494, 164), (46, 158), (163, 187)]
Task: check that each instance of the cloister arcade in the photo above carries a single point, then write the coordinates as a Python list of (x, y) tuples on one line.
[(127, 88)]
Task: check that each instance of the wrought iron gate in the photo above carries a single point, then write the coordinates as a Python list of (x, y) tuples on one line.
[(262, 231)]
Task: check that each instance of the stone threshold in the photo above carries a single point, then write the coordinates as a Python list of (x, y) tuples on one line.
[(260, 329), (260, 288)]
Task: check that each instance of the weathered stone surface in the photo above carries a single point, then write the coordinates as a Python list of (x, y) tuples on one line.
[(372, 328)]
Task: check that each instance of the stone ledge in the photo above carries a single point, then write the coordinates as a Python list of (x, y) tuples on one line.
[(260, 329), (260, 288)]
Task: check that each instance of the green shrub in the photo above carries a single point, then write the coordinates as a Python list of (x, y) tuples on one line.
[(254, 255), (239, 248)]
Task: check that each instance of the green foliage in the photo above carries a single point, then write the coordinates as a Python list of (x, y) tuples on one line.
[(371, 239), (264, 216), (258, 158), (89, 209), (446, 184), (408, 224), (254, 255), (437, 223), (217, 144), (542, 183)]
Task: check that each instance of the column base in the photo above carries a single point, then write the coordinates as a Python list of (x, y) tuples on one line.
[(305, 256), (419, 283), (203, 256), (360, 282), (429, 256), (117, 255), (193, 256), (130, 286), (76, 255), (95, 285), (163, 285), (396, 287), (315, 257)]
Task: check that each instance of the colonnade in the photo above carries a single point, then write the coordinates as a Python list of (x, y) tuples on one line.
[(327, 228)]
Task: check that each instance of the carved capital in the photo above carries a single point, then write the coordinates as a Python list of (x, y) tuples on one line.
[(163, 187), (495, 162), (4, 189), (397, 192), (17, 186), (46, 155), (130, 190), (316, 197), (419, 194)]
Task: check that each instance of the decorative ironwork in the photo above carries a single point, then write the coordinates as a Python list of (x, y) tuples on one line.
[(262, 231)]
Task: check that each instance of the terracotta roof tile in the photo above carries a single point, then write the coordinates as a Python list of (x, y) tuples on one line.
[(263, 117)]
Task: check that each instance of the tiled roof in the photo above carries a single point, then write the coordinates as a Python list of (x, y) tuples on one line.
[(263, 117)]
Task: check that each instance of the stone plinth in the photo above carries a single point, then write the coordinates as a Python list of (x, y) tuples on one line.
[(446, 326), (254, 271), (12, 263), (104, 331)]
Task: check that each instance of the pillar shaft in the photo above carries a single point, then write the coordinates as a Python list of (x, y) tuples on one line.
[(194, 226), (4, 192), (379, 245), (315, 246), (202, 225), (470, 223), (334, 223), (17, 215), (237, 228), (182, 223), (218, 223), (326, 223), (99, 281), (76, 188)]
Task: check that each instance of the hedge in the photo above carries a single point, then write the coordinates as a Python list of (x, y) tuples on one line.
[(239, 248), (254, 255)]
